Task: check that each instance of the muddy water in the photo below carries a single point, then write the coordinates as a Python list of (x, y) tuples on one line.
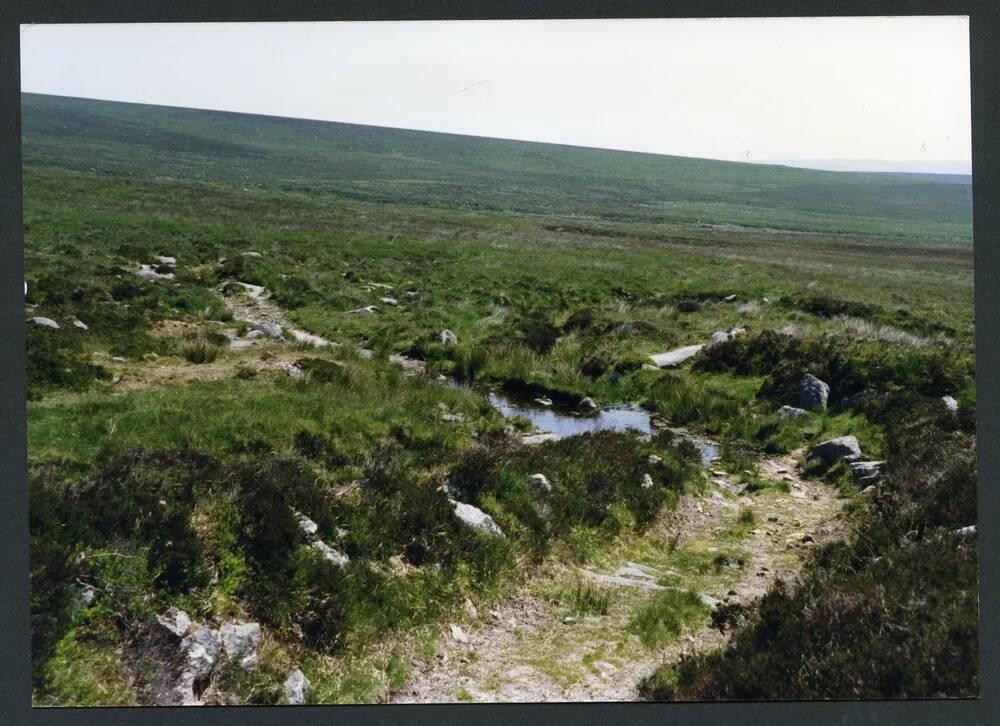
[(614, 417)]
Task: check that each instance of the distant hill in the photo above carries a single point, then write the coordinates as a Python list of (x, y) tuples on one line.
[(404, 167)]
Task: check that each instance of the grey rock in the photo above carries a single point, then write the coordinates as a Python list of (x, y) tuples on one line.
[(249, 662), (271, 330), (867, 491), (175, 621), (676, 356), (813, 392), (736, 331), (649, 367), (459, 635), (389, 300), (201, 648), (540, 482), (307, 527), (477, 519), (296, 688), (717, 338), (251, 254), (589, 404), (470, 609), (647, 481), (833, 450), (969, 531), (77, 323), (239, 639), (330, 554), (865, 471), (792, 412), (365, 311), (950, 403), (447, 337), (44, 322), (539, 438), (729, 298), (543, 401), (655, 460), (167, 260)]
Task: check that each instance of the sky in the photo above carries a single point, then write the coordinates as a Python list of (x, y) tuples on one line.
[(888, 93)]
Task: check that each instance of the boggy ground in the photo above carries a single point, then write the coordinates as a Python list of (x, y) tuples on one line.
[(534, 647)]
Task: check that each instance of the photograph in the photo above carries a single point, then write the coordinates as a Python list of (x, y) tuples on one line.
[(495, 361)]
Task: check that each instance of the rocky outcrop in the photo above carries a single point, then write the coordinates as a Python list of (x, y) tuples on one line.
[(792, 412), (813, 393), (833, 450)]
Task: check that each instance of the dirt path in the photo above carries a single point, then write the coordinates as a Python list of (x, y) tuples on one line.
[(530, 649)]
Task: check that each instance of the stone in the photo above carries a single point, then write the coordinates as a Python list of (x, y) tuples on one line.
[(792, 412), (833, 450), (950, 403), (459, 635), (365, 311), (649, 367), (251, 254), (389, 300), (589, 404), (239, 639), (412, 366), (271, 330), (867, 491), (477, 519), (736, 331), (717, 338), (675, 357), (540, 482), (708, 600), (176, 621), (330, 554), (470, 609), (969, 531), (864, 471), (296, 688), (147, 272), (729, 298), (167, 260), (447, 337), (543, 401), (655, 460), (44, 322), (249, 662), (307, 527), (813, 392), (202, 650), (543, 437), (77, 323), (647, 481)]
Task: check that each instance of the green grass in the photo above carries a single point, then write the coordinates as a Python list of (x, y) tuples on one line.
[(665, 616)]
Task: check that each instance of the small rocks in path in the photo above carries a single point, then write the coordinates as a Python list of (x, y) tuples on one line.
[(477, 519), (44, 322), (647, 481), (950, 403), (365, 311), (77, 323), (588, 404), (271, 330), (813, 392), (540, 482), (459, 635), (470, 609), (833, 450), (447, 337), (330, 554), (175, 621), (239, 639), (296, 688), (792, 412)]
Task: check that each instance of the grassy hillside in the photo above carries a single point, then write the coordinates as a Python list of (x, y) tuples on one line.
[(450, 171), (167, 445)]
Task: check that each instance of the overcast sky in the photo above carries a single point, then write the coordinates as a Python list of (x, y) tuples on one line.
[(890, 89)]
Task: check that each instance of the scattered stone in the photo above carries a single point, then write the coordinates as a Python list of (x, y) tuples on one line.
[(167, 260), (330, 554), (175, 620), (365, 311), (792, 412), (569, 620), (296, 688), (477, 519), (239, 639), (589, 404), (647, 481), (147, 272), (44, 322), (813, 392), (655, 460), (969, 531), (729, 298), (459, 635), (271, 330), (717, 338), (833, 450), (540, 482), (675, 357), (77, 323), (447, 337), (307, 527), (470, 609), (950, 403)]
